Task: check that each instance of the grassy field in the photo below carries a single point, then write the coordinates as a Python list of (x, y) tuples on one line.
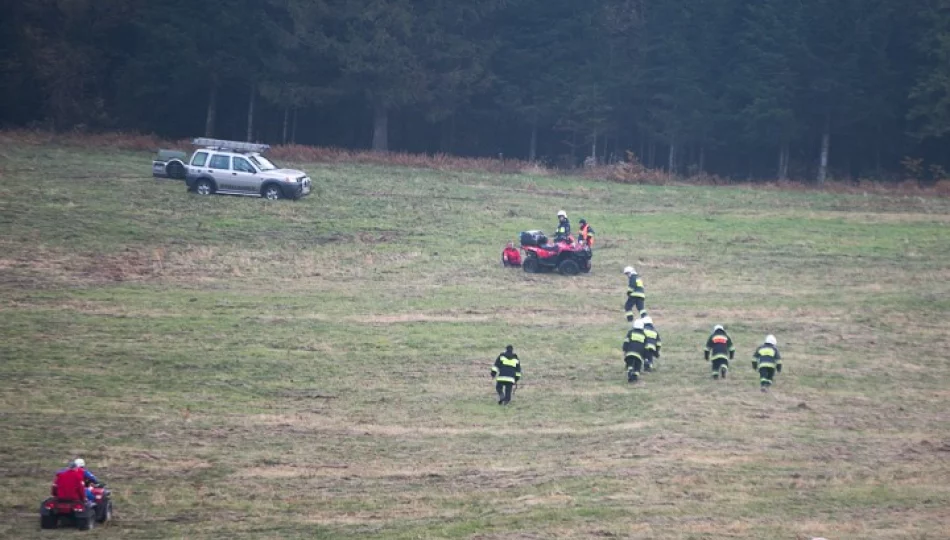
[(320, 369)]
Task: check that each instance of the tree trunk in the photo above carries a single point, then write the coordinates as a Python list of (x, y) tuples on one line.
[(643, 148), (250, 113), (593, 149), (573, 146), (652, 152), (533, 144), (783, 161), (212, 107), (283, 139), (672, 163), (293, 129), (380, 128), (825, 147)]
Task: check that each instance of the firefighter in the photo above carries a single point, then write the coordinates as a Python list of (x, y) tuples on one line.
[(506, 372), (634, 351), (587, 233), (767, 362), (653, 344), (636, 296), (719, 350), (563, 231)]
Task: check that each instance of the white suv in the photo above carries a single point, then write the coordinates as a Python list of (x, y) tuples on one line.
[(238, 168)]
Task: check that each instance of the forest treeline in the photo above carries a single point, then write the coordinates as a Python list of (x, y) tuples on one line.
[(738, 88)]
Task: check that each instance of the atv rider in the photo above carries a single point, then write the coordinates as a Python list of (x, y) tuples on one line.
[(634, 351), (636, 296), (719, 350), (88, 478), (653, 343), (767, 362), (510, 256), (587, 233), (507, 372), (68, 484), (563, 231)]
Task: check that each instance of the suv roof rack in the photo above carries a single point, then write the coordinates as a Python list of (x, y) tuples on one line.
[(234, 146)]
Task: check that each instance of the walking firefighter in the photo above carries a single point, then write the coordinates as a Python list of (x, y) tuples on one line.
[(636, 295), (767, 361), (653, 345), (719, 350), (506, 372), (634, 351)]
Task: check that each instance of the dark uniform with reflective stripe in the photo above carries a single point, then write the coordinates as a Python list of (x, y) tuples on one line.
[(563, 229), (634, 351), (652, 346), (719, 349), (635, 297), (767, 362), (506, 371)]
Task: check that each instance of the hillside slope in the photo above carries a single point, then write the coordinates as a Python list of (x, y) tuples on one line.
[(320, 368)]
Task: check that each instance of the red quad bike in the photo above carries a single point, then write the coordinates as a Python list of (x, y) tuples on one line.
[(83, 516), (568, 258)]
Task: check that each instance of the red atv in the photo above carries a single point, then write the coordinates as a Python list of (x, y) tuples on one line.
[(566, 256), (83, 515)]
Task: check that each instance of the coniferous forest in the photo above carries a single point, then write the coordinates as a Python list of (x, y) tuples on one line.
[(747, 89)]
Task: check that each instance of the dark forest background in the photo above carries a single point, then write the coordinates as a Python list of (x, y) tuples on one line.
[(739, 88)]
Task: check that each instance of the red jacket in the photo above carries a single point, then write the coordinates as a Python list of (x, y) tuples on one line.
[(69, 485), (511, 256)]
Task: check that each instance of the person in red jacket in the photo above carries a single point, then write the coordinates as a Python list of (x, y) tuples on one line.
[(510, 256), (69, 485)]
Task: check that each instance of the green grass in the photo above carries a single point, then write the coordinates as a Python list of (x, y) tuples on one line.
[(319, 369)]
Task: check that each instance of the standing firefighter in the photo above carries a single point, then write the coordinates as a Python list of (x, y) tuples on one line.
[(767, 362), (634, 351), (653, 344), (719, 350), (563, 231), (507, 372), (587, 233), (636, 296)]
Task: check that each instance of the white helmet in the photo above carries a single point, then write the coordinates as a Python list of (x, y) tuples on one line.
[(647, 320), (629, 270), (561, 213), (79, 462), (718, 327), (770, 339), (638, 324)]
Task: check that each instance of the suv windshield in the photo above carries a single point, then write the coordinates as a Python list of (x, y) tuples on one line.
[(262, 163)]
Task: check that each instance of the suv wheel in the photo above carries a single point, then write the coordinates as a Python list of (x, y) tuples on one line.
[(272, 192), (204, 187), (175, 170)]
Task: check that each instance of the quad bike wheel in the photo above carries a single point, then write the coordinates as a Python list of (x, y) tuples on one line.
[(105, 514), (531, 265), (569, 267), (49, 522), (87, 523)]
